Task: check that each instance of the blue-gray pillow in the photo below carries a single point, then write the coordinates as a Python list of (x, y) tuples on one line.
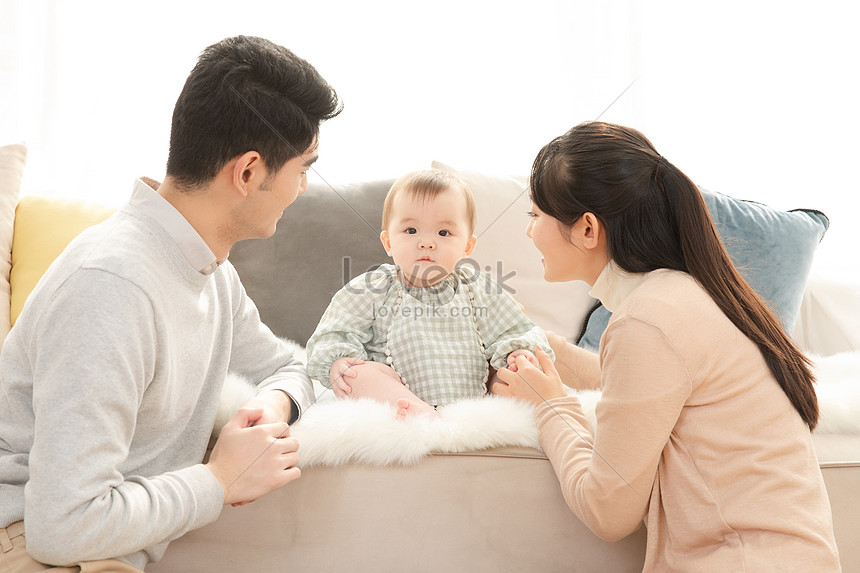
[(772, 249)]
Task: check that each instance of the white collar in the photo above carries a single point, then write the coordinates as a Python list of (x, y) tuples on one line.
[(192, 246), (614, 284)]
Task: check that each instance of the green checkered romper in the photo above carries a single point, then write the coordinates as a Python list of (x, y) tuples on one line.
[(439, 339)]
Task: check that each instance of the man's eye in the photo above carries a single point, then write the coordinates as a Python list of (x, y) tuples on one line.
[(444, 233), (411, 231)]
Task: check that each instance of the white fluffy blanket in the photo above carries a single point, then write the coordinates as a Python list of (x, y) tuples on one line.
[(334, 432)]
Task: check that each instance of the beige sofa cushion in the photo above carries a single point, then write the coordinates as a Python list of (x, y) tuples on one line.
[(509, 257), (12, 160)]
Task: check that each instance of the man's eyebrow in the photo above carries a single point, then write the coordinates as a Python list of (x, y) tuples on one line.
[(311, 161)]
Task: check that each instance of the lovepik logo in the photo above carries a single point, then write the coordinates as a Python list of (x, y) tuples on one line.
[(499, 277)]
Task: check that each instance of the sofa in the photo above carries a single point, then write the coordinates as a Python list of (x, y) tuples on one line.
[(473, 492)]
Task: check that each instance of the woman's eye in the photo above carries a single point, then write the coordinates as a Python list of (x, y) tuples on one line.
[(531, 214), (444, 233), (411, 231)]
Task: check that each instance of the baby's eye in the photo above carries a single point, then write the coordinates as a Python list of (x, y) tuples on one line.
[(411, 231), (444, 233)]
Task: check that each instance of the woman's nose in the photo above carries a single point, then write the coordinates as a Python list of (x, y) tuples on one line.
[(529, 228)]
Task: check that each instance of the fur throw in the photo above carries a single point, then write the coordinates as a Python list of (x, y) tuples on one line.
[(334, 432)]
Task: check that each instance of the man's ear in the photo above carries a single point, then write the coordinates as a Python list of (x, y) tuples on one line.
[(386, 242), (470, 245), (248, 172)]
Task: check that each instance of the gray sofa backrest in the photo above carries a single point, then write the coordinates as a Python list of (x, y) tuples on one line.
[(325, 238)]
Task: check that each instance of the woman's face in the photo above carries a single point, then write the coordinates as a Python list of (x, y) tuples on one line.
[(565, 255)]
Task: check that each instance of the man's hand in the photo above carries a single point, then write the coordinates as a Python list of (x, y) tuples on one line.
[(340, 371), (252, 458), (275, 404)]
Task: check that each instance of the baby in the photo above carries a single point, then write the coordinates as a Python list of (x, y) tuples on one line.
[(424, 331)]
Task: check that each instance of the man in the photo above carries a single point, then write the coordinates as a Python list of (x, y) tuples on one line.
[(112, 374)]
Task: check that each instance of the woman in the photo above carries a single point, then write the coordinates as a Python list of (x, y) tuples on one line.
[(703, 428)]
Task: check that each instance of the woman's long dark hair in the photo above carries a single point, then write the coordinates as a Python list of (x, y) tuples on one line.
[(655, 218)]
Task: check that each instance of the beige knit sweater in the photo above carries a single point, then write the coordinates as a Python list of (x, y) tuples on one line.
[(694, 436)]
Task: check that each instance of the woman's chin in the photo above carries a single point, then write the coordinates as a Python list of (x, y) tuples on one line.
[(555, 278)]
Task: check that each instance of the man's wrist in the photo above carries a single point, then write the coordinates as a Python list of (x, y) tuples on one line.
[(288, 405)]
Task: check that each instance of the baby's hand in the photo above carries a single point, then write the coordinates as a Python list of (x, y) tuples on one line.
[(340, 371), (512, 358)]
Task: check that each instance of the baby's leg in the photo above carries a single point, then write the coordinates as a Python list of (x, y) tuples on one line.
[(381, 383)]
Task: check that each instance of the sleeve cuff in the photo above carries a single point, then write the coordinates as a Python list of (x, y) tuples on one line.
[(556, 406), (208, 492)]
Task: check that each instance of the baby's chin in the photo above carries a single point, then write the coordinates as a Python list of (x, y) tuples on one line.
[(416, 282), (425, 279)]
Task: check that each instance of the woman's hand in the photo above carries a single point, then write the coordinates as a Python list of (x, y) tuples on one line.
[(528, 382), (512, 358)]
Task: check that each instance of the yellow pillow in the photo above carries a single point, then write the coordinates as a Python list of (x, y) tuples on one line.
[(43, 228)]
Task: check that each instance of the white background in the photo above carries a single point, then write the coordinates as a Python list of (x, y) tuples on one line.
[(754, 99)]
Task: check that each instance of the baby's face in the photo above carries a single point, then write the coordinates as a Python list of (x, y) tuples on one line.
[(428, 238)]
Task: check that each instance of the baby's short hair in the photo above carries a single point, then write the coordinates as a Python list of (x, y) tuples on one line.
[(426, 184)]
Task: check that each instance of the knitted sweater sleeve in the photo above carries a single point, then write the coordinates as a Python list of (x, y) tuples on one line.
[(607, 479), (579, 368), (78, 503), (258, 355)]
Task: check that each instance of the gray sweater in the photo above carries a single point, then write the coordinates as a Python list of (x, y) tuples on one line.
[(109, 386)]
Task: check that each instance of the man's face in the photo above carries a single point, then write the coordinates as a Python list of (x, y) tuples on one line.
[(278, 191)]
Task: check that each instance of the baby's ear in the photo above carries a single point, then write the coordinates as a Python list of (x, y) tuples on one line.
[(386, 242), (470, 244)]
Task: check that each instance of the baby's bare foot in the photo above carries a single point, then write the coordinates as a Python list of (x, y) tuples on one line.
[(407, 408)]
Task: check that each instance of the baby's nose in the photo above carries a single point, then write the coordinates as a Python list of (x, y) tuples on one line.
[(427, 244)]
